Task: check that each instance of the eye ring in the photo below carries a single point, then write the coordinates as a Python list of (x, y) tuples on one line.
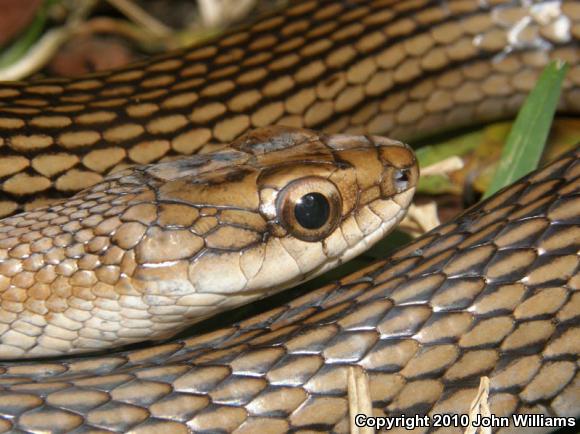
[(309, 208)]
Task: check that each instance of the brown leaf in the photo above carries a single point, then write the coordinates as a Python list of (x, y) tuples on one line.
[(89, 54), (15, 16)]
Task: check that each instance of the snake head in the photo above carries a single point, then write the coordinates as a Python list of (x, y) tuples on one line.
[(277, 207), (316, 201)]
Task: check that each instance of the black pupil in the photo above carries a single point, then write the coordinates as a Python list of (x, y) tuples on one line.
[(312, 211)]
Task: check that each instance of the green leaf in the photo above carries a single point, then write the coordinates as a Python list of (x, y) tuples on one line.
[(28, 37), (527, 138), (431, 154), (456, 146)]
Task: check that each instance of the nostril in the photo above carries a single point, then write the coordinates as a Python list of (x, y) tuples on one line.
[(401, 179)]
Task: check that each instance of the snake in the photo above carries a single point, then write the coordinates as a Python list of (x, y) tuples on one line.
[(491, 293)]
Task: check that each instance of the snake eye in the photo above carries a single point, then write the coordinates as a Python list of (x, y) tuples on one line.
[(309, 208), (312, 210), (401, 179)]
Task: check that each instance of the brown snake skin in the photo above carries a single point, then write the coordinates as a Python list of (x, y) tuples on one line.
[(492, 293)]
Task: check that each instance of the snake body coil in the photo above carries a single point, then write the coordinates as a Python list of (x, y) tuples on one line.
[(493, 293)]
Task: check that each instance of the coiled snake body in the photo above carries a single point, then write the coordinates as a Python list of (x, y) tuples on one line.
[(492, 293)]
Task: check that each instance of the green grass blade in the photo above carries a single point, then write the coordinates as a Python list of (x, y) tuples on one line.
[(19, 48), (526, 141)]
